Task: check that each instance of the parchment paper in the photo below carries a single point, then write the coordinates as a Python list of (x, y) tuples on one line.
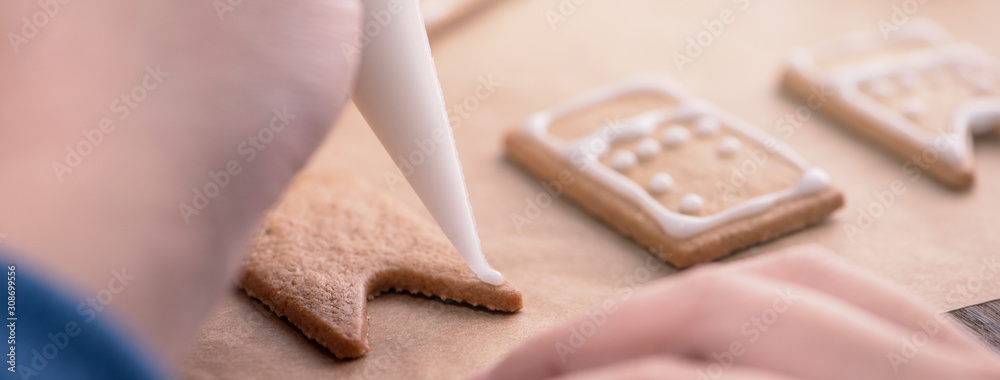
[(932, 241)]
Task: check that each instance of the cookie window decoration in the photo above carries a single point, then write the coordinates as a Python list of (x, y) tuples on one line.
[(918, 94), (685, 179)]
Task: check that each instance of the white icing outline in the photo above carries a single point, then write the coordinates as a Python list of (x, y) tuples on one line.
[(969, 118), (675, 224)]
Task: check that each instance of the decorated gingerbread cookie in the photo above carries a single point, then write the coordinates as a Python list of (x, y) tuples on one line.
[(914, 92), (677, 174), (335, 241)]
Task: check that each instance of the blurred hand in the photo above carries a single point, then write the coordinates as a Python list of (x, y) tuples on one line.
[(148, 137), (799, 314)]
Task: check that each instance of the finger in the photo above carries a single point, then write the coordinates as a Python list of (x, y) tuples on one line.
[(815, 267), (668, 367), (716, 317)]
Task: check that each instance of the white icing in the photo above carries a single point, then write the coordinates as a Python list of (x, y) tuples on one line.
[(914, 107), (940, 52), (729, 145), (691, 203), (623, 160), (707, 126), (398, 93), (675, 135), (673, 223), (982, 115), (660, 183), (647, 148)]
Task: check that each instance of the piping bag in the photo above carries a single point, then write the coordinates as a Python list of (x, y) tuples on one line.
[(399, 95)]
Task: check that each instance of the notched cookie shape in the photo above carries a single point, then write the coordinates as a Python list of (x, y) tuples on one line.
[(680, 176), (917, 94), (335, 241)]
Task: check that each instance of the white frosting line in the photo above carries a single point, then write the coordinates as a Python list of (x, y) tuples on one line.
[(981, 115), (581, 152), (940, 52)]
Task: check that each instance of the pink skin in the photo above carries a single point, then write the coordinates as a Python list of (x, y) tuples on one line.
[(120, 207), (841, 323)]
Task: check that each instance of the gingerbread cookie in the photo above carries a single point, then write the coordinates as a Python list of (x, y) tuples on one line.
[(914, 92), (335, 241), (680, 176), (438, 14)]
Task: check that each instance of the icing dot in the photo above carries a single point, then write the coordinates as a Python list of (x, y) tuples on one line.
[(660, 183), (691, 203), (675, 135), (730, 145), (707, 125), (914, 107), (881, 88), (647, 148), (813, 180), (623, 160)]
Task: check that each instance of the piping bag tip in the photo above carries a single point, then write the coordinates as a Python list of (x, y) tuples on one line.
[(399, 95), (490, 276)]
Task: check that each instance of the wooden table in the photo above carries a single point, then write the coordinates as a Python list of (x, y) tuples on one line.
[(932, 241)]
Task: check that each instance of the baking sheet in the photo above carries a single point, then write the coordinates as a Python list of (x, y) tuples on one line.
[(939, 244)]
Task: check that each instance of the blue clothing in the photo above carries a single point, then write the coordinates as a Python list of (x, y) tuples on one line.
[(56, 335)]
